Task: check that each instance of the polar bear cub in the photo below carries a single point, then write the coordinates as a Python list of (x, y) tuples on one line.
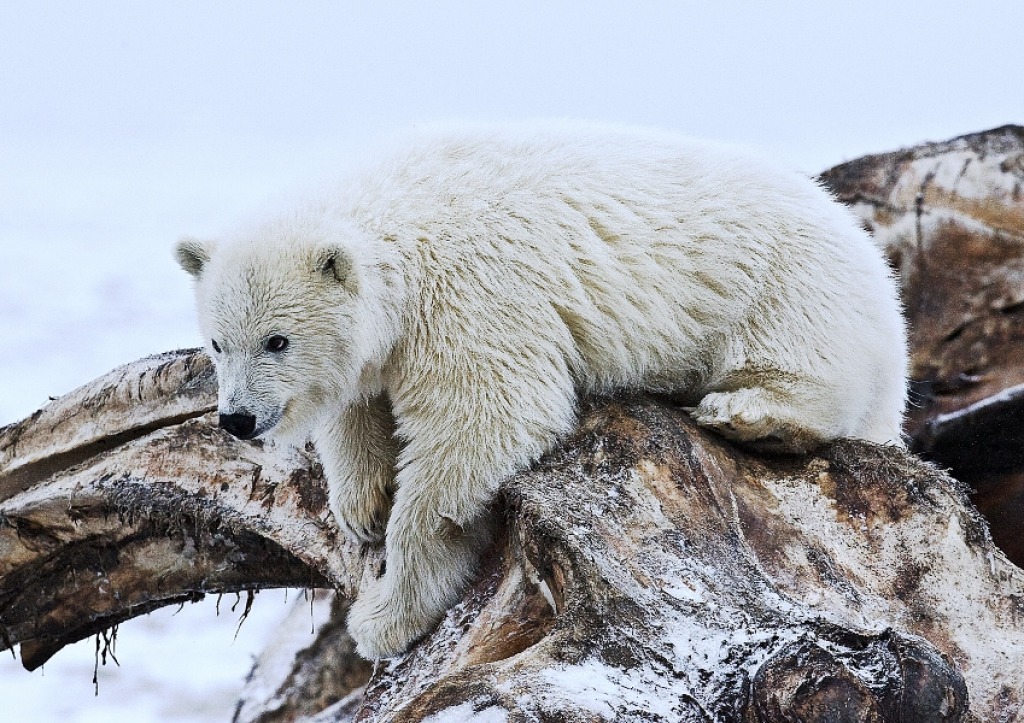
[(431, 324)]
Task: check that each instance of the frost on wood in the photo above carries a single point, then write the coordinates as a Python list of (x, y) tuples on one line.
[(951, 217), (646, 570)]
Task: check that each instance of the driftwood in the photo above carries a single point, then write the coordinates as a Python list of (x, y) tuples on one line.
[(648, 570), (951, 217)]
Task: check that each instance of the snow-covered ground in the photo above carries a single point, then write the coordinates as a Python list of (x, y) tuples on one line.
[(178, 665)]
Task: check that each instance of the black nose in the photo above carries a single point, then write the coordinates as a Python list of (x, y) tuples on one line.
[(240, 425)]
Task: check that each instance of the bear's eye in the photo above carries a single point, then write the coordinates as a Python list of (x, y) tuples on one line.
[(276, 343), (215, 345)]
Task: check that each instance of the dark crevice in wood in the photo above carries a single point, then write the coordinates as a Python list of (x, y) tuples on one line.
[(28, 475)]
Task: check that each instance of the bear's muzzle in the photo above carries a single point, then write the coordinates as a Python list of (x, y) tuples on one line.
[(242, 425)]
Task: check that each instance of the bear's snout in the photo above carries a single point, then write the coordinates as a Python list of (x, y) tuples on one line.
[(242, 425)]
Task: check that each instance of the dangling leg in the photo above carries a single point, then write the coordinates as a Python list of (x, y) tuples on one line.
[(458, 449), (359, 452)]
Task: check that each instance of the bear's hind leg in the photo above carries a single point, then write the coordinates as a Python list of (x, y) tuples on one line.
[(359, 451), (795, 419)]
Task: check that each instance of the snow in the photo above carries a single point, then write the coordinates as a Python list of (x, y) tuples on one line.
[(683, 590), (467, 713), (176, 666), (610, 692)]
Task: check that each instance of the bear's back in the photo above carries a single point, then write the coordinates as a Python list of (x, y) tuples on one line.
[(647, 247)]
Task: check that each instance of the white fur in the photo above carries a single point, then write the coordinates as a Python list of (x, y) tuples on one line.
[(446, 307)]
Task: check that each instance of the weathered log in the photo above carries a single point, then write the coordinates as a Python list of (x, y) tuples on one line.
[(951, 217), (647, 570), (122, 497)]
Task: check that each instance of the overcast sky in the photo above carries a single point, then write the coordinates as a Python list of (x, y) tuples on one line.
[(124, 125)]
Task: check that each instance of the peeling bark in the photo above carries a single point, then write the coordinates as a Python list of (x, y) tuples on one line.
[(647, 570)]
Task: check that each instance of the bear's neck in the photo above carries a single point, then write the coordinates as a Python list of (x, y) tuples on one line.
[(385, 296)]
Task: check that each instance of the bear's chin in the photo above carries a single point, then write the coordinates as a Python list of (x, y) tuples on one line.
[(298, 422), (287, 433)]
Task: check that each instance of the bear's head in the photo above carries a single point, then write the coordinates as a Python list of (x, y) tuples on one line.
[(281, 313)]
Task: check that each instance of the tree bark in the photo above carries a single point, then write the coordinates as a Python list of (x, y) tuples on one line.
[(647, 570)]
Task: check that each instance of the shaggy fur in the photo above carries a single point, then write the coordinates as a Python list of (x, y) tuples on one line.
[(445, 308)]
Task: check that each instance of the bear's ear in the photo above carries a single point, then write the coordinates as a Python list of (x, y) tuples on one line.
[(334, 263), (193, 254)]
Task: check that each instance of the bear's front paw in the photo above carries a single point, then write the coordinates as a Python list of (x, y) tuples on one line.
[(382, 625), (362, 515)]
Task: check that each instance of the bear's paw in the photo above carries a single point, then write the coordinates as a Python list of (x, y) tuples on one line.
[(382, 626), (758, 418), (361, 512)]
